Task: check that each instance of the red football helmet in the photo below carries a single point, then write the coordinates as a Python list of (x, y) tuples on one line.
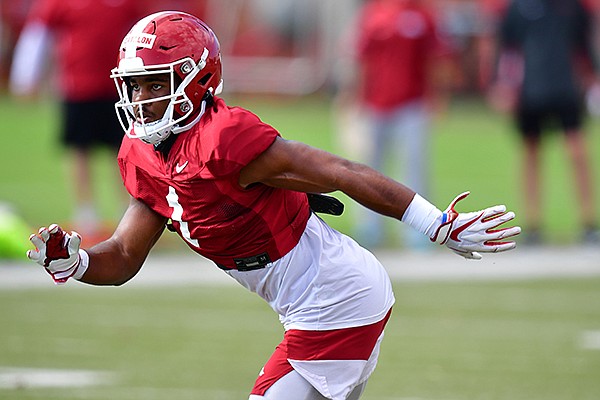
[(181, 45)]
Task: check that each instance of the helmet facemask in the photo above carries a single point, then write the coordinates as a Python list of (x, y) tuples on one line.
[(173, 44), (180, 106)]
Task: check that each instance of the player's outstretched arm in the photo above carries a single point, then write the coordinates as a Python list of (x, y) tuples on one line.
[(112, 262), (296, 166)]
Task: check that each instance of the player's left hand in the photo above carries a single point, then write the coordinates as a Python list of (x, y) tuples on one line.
[(58, 252), (467, 234)]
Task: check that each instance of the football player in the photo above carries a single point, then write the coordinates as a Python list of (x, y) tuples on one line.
[(244, 197)]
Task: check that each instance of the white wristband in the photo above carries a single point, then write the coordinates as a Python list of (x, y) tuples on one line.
[(84, 263), (423, 216)]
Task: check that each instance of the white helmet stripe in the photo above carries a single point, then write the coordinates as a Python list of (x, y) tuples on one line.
[(136, 38)]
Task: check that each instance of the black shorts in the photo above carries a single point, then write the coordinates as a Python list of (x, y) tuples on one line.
[(533, 119), (89, 124)]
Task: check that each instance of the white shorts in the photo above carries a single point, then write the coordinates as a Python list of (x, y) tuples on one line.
[(326, 282)]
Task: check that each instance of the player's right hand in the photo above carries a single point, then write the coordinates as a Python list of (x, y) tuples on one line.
[(467, 234), (58, 252)]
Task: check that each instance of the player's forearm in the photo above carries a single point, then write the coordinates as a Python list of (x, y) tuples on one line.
[(118, 259), (387, 197), (296, 166), (374, 190), (362, 183), (110, 265)]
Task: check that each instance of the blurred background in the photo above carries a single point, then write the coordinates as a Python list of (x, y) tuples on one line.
[(520, 325)]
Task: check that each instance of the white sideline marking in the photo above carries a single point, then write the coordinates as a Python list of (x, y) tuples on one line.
[(23, 378), (590, 340)]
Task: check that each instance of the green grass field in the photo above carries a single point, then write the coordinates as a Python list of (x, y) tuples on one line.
[(445, 341)]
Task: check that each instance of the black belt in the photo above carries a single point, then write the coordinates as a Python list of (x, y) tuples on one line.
[(249, 263)]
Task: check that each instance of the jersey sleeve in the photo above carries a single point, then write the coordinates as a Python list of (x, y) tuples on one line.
[(236, 140)]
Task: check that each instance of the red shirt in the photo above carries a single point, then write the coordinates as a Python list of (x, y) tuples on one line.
[(396, 40), (197, 187), (87, 36)]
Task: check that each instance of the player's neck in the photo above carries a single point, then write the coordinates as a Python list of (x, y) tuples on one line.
[(165, 146)]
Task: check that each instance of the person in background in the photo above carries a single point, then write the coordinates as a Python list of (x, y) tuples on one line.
[(84, 35), (399, 61), (12, 19), (242, 196), (545, 62), (490, 15)]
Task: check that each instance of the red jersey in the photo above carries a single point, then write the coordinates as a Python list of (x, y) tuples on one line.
[(87, 36), (197, 186), (396, 41)]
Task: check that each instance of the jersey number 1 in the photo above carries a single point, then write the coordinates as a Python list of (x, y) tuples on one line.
[(173, 201)]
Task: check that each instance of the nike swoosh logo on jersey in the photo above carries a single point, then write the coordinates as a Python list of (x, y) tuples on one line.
[(454, 234), (179, 168)]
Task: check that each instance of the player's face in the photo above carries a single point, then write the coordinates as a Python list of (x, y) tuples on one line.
[(148, 87)]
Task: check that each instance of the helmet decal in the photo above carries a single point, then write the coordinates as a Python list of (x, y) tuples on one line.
[(132, 42)]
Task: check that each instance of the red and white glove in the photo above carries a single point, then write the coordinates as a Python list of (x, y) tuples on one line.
[(58, 252), (467, 234)]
